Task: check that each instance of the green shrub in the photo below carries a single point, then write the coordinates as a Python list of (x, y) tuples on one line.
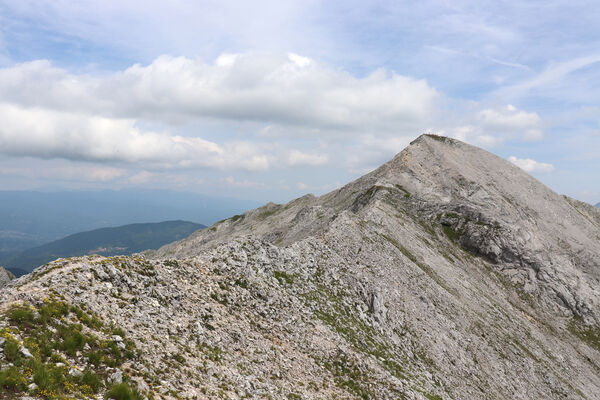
[(94, 358), (12, 380), (180, 358), (450, 233), (122, 391), (42, 377), (73, 339), (11, 349), (21, 316), (119, 331), (92, 380), (283, 277), (46, 347), (54, 309)]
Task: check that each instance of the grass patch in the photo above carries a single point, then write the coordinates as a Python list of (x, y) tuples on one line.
[(587, 334), (347, 375), (424, 267), (123, 391), (283, 277), (54, 334), (11, 349), (406, 192), (450, 233), (12, 380)]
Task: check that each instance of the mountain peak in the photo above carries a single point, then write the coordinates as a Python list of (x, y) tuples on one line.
[(446, 273)]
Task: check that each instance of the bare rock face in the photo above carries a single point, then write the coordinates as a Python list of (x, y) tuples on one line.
[(5, 277), (447, 273)]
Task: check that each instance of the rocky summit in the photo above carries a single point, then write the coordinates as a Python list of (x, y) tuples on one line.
[(447, 273)]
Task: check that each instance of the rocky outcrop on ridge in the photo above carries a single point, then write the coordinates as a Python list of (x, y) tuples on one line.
[(447, 273), (5, 277)]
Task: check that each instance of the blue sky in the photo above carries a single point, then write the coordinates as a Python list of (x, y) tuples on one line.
[(269, 100)]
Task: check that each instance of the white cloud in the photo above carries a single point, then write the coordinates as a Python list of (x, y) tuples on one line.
[(48, 112), (493, 126), (530, 165), (301, 186), (512, 121), (296, 158), (372, 150), (53, 134), (299, 60), (555, 73), (288, 90)]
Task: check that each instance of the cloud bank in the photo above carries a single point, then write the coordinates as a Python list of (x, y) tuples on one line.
[(142, 115), (283, 89)]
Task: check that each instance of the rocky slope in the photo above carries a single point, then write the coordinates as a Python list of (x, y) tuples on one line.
[(447, 273), (5, 277)]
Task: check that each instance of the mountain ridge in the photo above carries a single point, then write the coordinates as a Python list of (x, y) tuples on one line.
[(485, 203), (445, 273), (121, 240)]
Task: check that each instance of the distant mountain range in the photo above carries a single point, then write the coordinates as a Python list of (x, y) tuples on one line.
[(598, 205), (31, 218), (125, 239)]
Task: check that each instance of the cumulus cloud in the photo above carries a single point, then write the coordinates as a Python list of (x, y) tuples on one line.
[(371, 151), (285, 89), (512, 121), (530, 165), (493, 126), (48, 112), (49, 134)]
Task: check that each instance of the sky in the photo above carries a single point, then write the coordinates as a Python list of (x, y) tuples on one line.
[(269, 100)]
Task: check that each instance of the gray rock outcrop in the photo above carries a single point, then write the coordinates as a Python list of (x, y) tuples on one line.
[(5, 277)]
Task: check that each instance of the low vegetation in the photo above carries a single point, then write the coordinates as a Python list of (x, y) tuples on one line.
[(60, 351)]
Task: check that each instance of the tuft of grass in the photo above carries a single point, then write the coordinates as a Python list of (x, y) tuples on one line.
[(73, 339), (450, 233), (122, 391), (587, 334), (11, 349), (283, 277), (42, 377), (236, 218), (21, 316), (179, 358), (12, 380), (91, 379)]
